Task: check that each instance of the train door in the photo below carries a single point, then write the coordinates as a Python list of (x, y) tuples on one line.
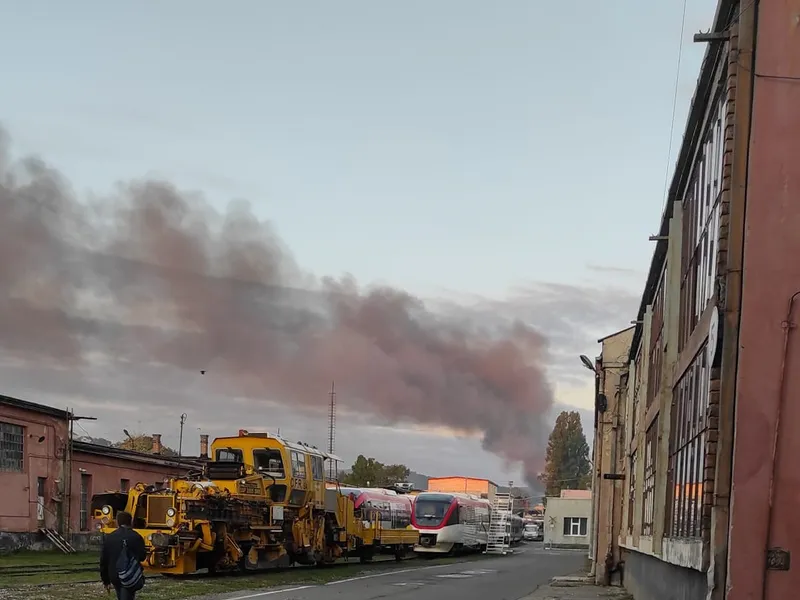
[(300, 487), (316, 467)]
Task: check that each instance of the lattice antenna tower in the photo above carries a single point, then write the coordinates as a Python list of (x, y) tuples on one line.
[(332, 431)]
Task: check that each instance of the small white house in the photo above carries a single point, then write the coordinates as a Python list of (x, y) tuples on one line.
[(567, 520)]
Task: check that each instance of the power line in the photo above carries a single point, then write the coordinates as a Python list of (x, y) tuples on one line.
[(674, 104)]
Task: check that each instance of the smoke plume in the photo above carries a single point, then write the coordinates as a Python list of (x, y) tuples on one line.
[(151, 274)]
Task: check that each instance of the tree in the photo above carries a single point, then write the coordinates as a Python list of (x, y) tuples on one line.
[(567, 463), (143, 443), (370, 472)]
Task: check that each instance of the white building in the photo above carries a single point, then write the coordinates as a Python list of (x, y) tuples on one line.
[(568, 520)]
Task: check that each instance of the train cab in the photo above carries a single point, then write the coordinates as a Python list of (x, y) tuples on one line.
[(294, 473)]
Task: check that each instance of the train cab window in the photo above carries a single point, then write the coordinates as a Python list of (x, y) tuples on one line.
[(229, 455), (269, 462), (298, 465), (317, 468)]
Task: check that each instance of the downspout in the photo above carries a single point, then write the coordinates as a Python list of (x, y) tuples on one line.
[(788, 325), (596, 469)]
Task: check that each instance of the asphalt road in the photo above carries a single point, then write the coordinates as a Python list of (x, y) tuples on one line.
[(507, 577)]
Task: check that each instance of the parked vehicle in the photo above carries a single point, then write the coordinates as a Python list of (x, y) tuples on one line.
[(533, 532)]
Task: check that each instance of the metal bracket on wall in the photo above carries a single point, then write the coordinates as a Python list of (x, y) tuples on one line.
[(712, 36), (778, 559), (616, 476)]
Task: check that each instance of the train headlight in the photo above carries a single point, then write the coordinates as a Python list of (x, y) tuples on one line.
[(106, 510), (170, 522), (171, 512)]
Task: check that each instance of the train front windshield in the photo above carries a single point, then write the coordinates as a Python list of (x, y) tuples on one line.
[(429, 511)]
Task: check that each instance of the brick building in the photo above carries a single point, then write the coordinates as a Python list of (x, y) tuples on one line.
[(709, 506), (48, 482)]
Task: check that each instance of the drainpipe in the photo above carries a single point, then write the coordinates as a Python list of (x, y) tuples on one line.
[(788, 325), (596, 481)]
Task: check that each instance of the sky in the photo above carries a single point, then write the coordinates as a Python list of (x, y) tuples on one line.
[(500, 161)]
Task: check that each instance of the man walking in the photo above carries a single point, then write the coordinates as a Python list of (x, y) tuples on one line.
[(113, 544)]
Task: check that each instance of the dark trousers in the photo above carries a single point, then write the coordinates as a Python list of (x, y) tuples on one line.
[(124, 593)]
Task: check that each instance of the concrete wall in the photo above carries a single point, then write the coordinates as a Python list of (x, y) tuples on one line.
[(768, 383), (45, 459), (649, 578), (556, 511), (610, 451)]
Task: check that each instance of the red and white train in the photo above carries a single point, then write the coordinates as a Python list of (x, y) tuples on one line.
[(393, 510), (450, 522)]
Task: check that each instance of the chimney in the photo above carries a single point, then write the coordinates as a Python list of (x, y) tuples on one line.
[(203, 445), (156, 443)]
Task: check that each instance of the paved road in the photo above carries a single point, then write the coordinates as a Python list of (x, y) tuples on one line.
[(502, 578)]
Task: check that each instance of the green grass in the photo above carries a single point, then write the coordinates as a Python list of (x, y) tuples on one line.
[(169, 588), (55, 558)]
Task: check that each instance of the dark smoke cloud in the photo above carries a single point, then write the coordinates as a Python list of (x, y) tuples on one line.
[(149, 274)]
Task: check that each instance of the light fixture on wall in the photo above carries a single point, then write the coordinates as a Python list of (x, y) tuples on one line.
[(587, 362)]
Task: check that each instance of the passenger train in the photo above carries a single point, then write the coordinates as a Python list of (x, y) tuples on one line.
[(450, 522)]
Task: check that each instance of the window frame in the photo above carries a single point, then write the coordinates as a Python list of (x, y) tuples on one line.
[(687, 450), (84, 504), (571, 524), (12, 447), (317, 468), (297, 459)]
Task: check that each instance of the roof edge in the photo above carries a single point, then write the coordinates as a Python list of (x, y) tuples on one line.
[(683, 164), (616, 333), (34, 407)]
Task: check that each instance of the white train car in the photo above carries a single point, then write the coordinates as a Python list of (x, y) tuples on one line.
[(515, 529), (450, 522)]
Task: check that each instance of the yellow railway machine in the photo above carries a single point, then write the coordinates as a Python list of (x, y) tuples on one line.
[(260, 502)]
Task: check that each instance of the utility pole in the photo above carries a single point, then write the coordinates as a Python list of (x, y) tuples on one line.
[(67, 493), (180, 439), (332, 431)]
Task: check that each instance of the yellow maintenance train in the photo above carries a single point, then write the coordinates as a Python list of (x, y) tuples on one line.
[(259, 502)]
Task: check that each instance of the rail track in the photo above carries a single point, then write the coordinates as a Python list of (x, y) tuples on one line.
[(24, 571)]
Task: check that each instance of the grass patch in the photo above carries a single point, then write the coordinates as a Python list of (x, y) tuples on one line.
[(53, 559), (171, 588)]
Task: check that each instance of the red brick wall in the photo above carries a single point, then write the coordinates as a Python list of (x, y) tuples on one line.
[(103, 474), (18, 500), (771, 275)]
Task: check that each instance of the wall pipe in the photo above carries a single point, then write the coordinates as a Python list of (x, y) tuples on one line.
[(788, 325)]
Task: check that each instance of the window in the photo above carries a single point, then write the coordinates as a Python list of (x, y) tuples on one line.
[(86, 484), (229, 455), (124, 485), (656, 342), (298, 464), (269, 461), (649, 491), (575, 526), (11, 448), (317, 468), (701, 226), (687, 450)]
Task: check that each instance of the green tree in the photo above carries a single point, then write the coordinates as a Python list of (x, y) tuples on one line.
[(370, 472), (567, 463)]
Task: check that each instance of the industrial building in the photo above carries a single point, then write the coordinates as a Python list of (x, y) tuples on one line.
[(697, 492), (464, 485), (568, 520), (48, 479)]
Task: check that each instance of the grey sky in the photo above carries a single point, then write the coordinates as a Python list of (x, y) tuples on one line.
[(469, 152)]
